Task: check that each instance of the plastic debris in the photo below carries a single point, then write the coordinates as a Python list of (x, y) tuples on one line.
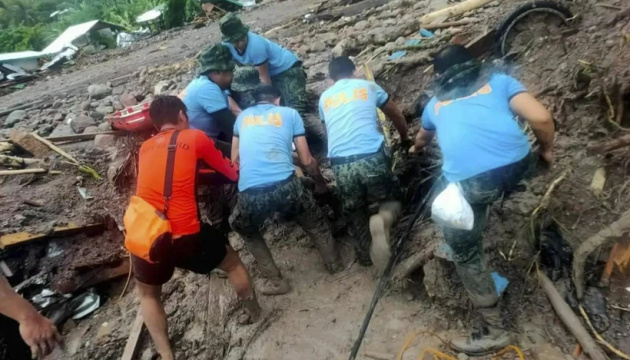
[(53, 250), (84, 194), (500, 283), (426, 33), (85, 304)]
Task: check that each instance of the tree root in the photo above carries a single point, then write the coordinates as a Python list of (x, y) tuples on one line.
[(614, 231)]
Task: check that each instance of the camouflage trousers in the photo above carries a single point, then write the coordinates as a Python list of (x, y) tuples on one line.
[(215, 204), (289, 198), (361, 183), (481, 191), (292, 87)]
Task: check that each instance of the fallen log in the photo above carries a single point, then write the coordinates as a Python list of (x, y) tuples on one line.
[(454, 10), (80, 137), (604, 147), (570, 320), (614, 231), (15, 239)]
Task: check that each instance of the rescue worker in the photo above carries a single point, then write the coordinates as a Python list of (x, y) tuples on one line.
[(39, 333), (206, 98), (245, 81), (196, 246), (263, 135), (485, 151), (276, 66), (357, 154)]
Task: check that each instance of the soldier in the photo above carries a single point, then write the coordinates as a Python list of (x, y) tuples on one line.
[(276, 66), (357, 154), (263, 135)]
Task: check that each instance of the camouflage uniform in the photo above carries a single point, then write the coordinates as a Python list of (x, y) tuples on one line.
[(246, 79), (359, 184), (480, 191), (292, 200), (291, 83)]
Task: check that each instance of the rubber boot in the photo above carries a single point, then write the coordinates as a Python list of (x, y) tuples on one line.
[(380, 229), (491, 338), (274, 284), (318, 230), (252, 309)]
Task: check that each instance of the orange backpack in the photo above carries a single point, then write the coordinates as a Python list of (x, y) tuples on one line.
[(148, 231)]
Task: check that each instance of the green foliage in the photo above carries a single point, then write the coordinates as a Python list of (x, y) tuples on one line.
[(27, 24)]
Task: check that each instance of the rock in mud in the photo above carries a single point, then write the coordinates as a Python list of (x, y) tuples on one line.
[(81, 122), (27, 142), (15, 117), (57, 117), (104, 110), (161, 87), (91, 130), (104, 126), (99, 91), (344, 47), (361, 25), (127, 99), (45, 130), (105, 141), (318, 46)]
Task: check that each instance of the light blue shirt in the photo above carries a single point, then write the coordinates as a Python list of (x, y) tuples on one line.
[(203, 97), (479, 132), (265, 133), (260, 50), (348, 109)]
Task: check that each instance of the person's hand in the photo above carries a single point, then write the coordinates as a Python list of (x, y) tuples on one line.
[(547, 156), (40, 334)]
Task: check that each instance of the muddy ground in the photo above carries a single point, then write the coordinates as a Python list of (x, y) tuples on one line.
[(572, 74)]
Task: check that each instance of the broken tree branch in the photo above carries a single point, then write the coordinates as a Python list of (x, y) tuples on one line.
[(132, 346), (22, 172), (600, 338), (614, 231), (17, 162), (570, 320), (544, 203), (83, 168), (608, 146), (449, 24), (454, 10)]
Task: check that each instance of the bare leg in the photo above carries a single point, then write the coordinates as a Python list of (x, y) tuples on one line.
[(155, 317), (241, 281)]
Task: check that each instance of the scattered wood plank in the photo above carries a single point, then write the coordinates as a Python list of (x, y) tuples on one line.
[(17, 162), (20, 238), (29, 143), (570, 320), (80, 137), (614, 231), (133, 342), (454, 10), (55, 148), (608, 146), (449, 24), (23, 171), (35, 203), (481, 44), (107, 274)]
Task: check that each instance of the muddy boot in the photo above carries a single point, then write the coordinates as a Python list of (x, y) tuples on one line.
[(380, 229), (325, 244), (274, 284), (491, 338), (252, 311)]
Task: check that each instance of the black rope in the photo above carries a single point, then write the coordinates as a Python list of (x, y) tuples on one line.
[(420, 212)]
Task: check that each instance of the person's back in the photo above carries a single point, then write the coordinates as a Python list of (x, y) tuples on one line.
[(349, 110), (192, 146), (478, 132), (265, 133), (202, 99)]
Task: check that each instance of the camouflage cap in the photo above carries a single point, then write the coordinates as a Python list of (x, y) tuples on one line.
[(246, 78), (232, 28), (215, 58)]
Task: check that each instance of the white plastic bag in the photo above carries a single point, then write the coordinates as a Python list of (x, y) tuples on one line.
[(450, 209)]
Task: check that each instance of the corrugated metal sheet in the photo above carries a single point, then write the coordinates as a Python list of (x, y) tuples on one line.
[(20, 55), (74, 32)]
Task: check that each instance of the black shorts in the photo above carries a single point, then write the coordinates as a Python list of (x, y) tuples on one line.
[(200, 253)]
